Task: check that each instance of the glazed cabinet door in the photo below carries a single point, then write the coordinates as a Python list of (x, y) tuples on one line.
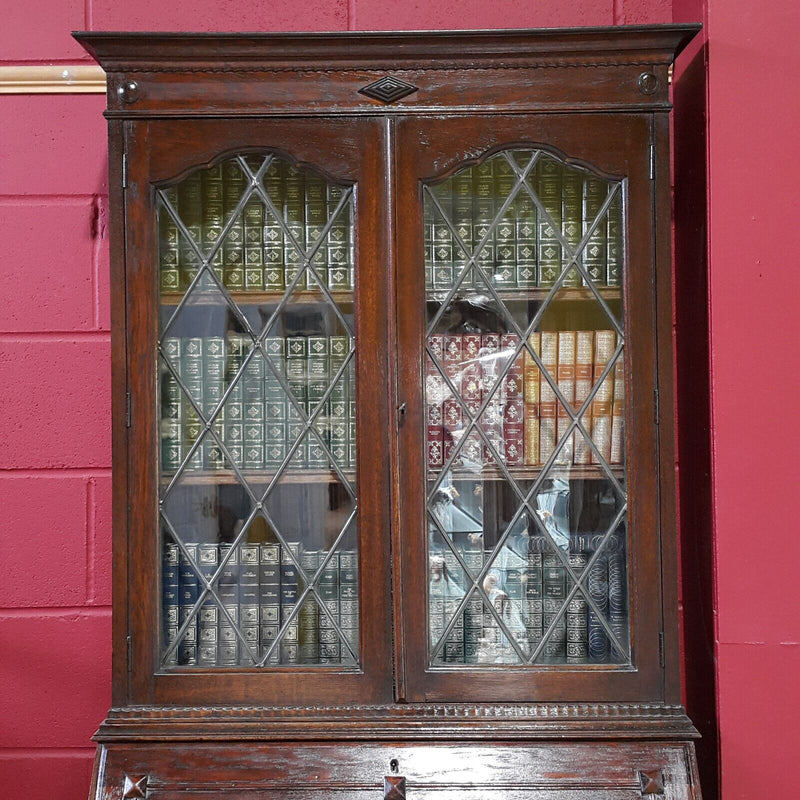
[(256, 552), (529, 472)]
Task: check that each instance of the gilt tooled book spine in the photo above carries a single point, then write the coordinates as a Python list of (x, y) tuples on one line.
[(614, 249), (513, 402), (604, 343), (290, 590), (463, 224), (584, 359), (208, 614), (273, 232), (230, 259), (571, 218), (249, 596), (548, 189), (554, 589), (531, 383), (189, 588), (526, 235), (170, 598), (547, 397), (617, 452), (505, 241), (294, 218), (190, 205), (594, 254), (434, 398), (228, 592), (168, 243), (577, 619), (316, 215), (317, 369), (269, 584), (483, 211)]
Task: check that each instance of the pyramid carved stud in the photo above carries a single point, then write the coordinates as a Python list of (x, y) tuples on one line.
[(135, 787), (651, 781), (388, 89), (394, 788)]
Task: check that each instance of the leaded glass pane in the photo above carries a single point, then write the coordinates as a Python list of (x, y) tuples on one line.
[(524, 391), (257, 418)]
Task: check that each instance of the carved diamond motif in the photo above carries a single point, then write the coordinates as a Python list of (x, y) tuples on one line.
[(651, 781), (135, 787), (388, 89)]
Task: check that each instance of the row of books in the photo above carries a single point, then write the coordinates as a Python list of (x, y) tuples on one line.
[(258, 589), (523, 420), (522, 250), (258, 423), (258, 252), (528, 589)]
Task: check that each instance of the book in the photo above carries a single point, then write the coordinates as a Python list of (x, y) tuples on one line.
[(232, 250), (491, 421), (594, 253), (348, 598), (505, 231), (275, 401), (213, 366), (567, 344), (249, 596), (513, 406), (597, 584), (463, 224), (317, 370), (189, 587), (614, 241), (208, 613), (253, 218), (554, 593), (483, 211), (441, 237), (170, 599), (340, 254), (571, 218), (269, 603), (274, 270), (547, 397), (339, 398), (253, 411), (294, 218), (577, 615), (527, 226), (617, 450), (316, 216), (434, 398), (308, 615), (604, 344), (213, 218), (531, 387), (190, 208), (533, 608), (192, 376), (548, 189), (297, 380), (330, 614), (168, 243), (289, 592), (584, 360), (452, 413), (618, 598), (228, 593)]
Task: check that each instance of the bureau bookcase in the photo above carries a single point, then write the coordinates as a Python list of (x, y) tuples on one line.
[(392, 416)]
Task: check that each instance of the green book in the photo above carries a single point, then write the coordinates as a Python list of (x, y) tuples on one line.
[(274, 269), (329, 643), (548, 190), (294, 216), (505, 232), (297, 380), (192, 377), (317, 370), (190, 207), (232, 260), (571, 217), (253, 215), (594, 254), (316, 215), (461, 184), (168, 244), (339, 257), (208, 614), (527, 225), (483, 211), (213, 217), (249, 598), (614, 241), (308, 615), (214, 350)]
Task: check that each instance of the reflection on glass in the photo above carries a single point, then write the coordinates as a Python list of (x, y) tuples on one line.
[(257, 408), (524, 392)]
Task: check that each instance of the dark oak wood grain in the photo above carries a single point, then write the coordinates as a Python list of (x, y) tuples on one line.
[(598, 97)]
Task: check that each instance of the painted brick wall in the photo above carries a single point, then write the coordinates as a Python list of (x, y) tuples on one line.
[(54, 369)]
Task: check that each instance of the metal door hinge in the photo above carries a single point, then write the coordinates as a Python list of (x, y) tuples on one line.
[(124, 170), (661, 660), (652, 161), (127, 409)]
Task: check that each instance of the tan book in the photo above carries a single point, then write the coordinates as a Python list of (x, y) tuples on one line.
[(604, 342), (584, 357), (547, 397), (566, 385), (531, 398), (618, 413)]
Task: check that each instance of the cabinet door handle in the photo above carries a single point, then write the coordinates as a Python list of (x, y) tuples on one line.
[(394, 787)]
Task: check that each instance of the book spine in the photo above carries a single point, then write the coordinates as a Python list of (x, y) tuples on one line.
[(427, 227), (338, 400), (617, 451), (513, 407), (208, 614), (491, 421), (554, 587), (452, 415), (547, 397), (436, 594), (533, 608), (249, 592), (269, 585), (231, 262), (213, 216), (228, 592), (189, 594), (527, 226), (483, 211), (339, 242), (168, 245), (253, 216), (317, 369), (214, 348), (442, 238), (315, 219), (329, 644), (473, 611), (308, 616), (289, 649), (294, 216), (170, 598), (604, 342), (434, 399), (566, 385), (598, 591), (273, 233), (577, 619), (571, 217), (548, 189), (618, 597), (462, 222), (297, 380), (531, 397), (594, 254), (190, 208), (505, 242), (253, 412), (614, 241), (171, 426), (275, 434), (348, 598), (192, 376), (584, 355), (233, 427)]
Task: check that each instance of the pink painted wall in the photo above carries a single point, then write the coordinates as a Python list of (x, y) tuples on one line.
[(54, 365)]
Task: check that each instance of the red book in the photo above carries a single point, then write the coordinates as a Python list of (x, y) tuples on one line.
[(434, 397)]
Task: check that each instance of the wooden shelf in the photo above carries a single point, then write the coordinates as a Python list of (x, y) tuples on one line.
[(587, 472), (569, 294), (222, 477), (305, 296)]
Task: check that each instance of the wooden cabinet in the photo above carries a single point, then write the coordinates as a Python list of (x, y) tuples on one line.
[(393, 430)]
